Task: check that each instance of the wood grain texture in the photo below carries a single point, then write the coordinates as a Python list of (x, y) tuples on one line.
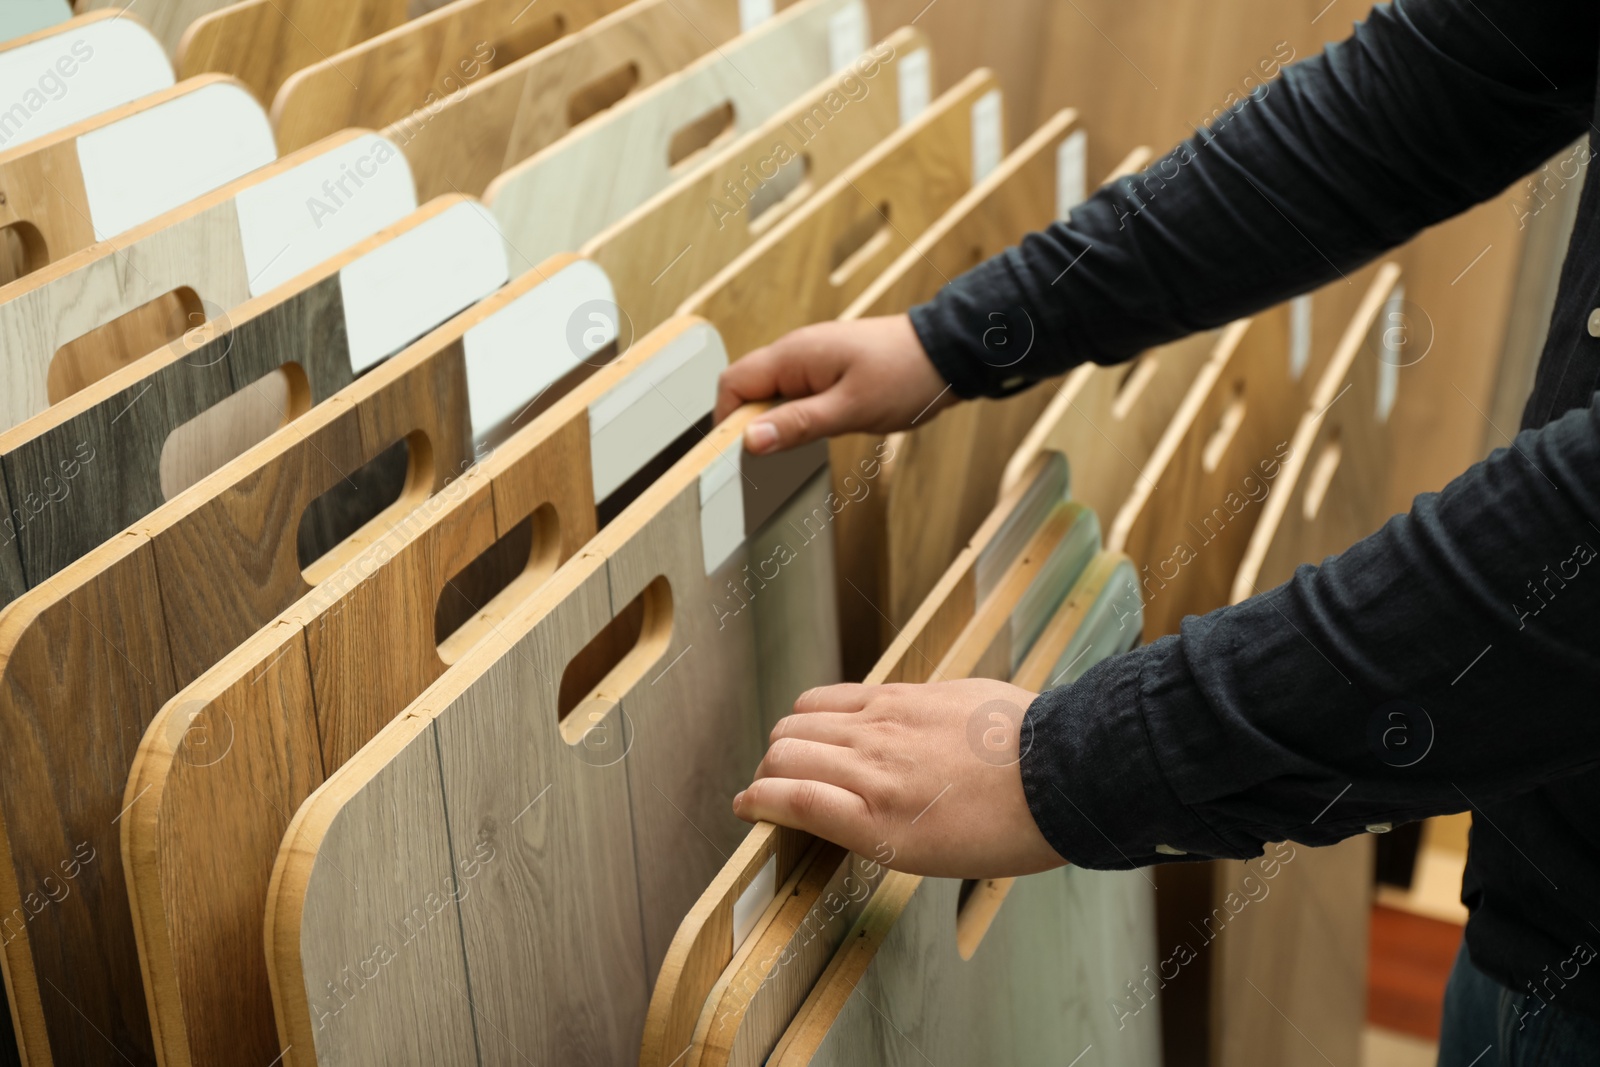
[(509, 114), (1188, 521), (195, 247), (262, 42), (812, 264), (561, 802), (921, 520), (167, 19), (96, 457), (698, 1002), (366, 646), (221, 563), (414, 66), (1324, 500), (580, 173)]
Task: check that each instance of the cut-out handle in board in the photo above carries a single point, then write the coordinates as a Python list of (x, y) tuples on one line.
[(239, 241), (347, 314)]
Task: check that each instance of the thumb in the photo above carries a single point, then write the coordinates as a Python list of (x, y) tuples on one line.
[(796, 423)]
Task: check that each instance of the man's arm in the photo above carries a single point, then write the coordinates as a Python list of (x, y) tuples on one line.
[(1430, 107), (1472, 617)]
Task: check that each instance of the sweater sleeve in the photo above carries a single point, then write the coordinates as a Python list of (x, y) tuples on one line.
[(1455, 653), (1431, 106)]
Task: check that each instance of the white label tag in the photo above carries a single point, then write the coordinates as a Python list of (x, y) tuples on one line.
[(754, 900), (1299, 336), (515, 354), (1072, 181), (847, 36), (916, 84), (312, 212), (405, 287), (651, 407), (985, 135), (753, 13), (145, 166), (722, 507), (1393, 336)]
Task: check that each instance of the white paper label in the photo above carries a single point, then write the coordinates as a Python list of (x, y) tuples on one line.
[(916, 84), (405, 287), (722, 507), (753, 13), (514, 355), (72, 75), (651, 407), (1299, 336), (1072, 181), (754, 900), (1394, 333), (146, 165), (310, 213), (847, 36), (985, 135)]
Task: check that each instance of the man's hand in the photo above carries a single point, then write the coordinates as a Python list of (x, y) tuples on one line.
[(869, 375), (923, 778)]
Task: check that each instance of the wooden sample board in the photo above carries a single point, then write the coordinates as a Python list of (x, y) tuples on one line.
[(793, 50), (411, 70), (239, 241), (103, 60), (1007, 971), (941, 478), (108, 455), (356, 650), (262, 42), (1323, 502), (101, 177), (737, 968), (662, 250), (812, 264), (140, 617), (1188, 520), (578, 826), (22, 17), (509, 114)]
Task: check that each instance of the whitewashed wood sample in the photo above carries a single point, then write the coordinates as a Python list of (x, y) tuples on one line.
[(567, 193)]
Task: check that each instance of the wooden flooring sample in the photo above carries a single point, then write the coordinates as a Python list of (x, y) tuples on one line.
[(412, 69), (709, 99), (107, 61), (136, 619), (509, 114), (583, 823), (358, 648), (1323, 502), (715, 971), (214, 252), (942, 477), (812, 264), (100, 461), (1005, 971), (110, 172), (262, 42), (1188, 521)]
